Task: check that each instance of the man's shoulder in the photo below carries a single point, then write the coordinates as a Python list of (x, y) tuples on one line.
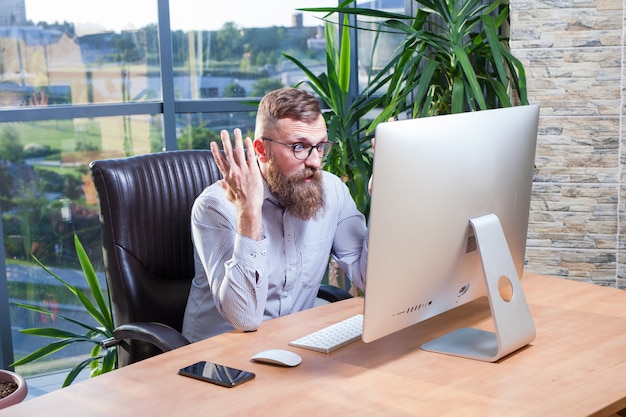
[(212, 196), (212, 191), (333, 182), (212, 206), (331, 179)]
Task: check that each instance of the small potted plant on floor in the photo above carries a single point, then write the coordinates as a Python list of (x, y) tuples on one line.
[(13, 388)]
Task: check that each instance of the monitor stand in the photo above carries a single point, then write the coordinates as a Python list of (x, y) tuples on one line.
[(514, 326)]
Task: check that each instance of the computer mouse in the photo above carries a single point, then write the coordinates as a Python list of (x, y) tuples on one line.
[(279, 357)]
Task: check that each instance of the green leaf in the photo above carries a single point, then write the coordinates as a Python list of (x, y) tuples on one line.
[(518, 73), (494, 46), (95, 366), (344, 57), (429, 104), (50, 313), (336, 97), (355, 11), (109, 362), (106, 318), (58, 278), (458, 96), (502, 93), (44, 351), (315, 81), (51, 332), (470, 77), (77, 369), (425, 81), (94, 312)]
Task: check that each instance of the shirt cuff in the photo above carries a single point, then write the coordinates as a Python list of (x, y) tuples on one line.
[(251, 254)]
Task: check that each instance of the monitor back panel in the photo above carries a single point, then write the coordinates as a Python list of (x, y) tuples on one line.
[(431, 175)]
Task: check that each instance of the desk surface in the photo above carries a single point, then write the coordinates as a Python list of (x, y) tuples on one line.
[(576, 366)]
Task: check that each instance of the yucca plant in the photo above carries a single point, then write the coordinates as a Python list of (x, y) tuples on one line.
[(101, 360), (452, 57), (345, 117)]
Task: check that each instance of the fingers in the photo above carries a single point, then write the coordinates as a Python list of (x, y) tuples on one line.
[(219, 158), (250, 151), (234, 155), (239, 154), (226, 145)]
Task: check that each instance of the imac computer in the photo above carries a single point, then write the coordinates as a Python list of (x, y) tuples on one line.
[(448, 224)]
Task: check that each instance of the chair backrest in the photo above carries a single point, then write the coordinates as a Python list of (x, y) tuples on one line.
[(145, 208)]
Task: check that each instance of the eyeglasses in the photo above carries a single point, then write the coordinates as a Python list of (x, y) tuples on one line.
[(302, 150)]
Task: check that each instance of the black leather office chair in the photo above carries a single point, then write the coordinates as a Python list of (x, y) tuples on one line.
[(145, 208)]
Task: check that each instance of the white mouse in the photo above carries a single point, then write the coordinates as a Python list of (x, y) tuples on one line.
[(278, 357)]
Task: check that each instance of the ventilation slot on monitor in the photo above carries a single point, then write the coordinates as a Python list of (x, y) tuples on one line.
[(471, 244), (417, 307)]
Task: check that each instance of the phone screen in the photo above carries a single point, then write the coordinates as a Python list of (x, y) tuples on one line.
[(216, 374)]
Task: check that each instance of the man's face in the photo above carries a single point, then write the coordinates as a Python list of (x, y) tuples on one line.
[(297, 184)]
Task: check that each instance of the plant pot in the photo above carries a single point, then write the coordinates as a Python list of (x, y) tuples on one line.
[(18, 395)]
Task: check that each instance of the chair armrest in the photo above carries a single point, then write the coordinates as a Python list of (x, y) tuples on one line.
[(160, 335), (332, 294)]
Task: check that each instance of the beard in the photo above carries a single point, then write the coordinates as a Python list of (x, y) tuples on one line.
[(301, 199)]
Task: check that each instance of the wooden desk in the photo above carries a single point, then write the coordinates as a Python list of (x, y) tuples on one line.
[(576, 366)]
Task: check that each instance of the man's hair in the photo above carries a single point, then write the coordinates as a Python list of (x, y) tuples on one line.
[(287, 103)]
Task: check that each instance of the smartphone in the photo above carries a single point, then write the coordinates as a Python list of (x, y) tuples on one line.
[(216, 374)]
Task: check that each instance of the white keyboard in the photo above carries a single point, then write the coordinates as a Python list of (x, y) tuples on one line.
[(334, 336)]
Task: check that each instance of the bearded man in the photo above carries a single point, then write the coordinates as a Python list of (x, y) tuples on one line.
[(263, 235)]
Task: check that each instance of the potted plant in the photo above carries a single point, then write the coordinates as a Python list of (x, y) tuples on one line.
[(13, 388), (101, 360), (452, 57)]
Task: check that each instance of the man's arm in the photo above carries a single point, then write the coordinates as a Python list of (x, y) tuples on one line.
[(234, 264), (229, 247), (350, 243)]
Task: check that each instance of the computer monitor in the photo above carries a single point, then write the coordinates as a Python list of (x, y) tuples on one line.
[(448, 224)]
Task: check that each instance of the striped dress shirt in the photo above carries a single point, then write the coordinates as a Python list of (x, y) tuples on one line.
[(240, 282)]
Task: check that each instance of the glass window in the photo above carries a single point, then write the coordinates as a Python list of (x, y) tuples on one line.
[(375, 49), (63, 52), (46, 197), (56, 53), (235, 49), (198, 130)]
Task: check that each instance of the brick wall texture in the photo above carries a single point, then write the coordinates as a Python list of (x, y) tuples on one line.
[(573, 52)]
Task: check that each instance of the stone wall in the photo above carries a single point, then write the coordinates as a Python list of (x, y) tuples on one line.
[(573, 51)]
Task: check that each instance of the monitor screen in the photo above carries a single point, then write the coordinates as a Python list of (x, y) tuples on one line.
[(432, 177)]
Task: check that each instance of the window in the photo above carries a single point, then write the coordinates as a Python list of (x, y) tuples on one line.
[(228, 54), (78, 83)]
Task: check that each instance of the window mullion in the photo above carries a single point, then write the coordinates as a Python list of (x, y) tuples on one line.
[(167, 75)]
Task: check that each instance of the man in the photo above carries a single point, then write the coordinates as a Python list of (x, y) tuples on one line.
[(263, 234)]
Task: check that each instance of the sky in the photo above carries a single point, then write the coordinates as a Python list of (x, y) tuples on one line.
[(185, 14)]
